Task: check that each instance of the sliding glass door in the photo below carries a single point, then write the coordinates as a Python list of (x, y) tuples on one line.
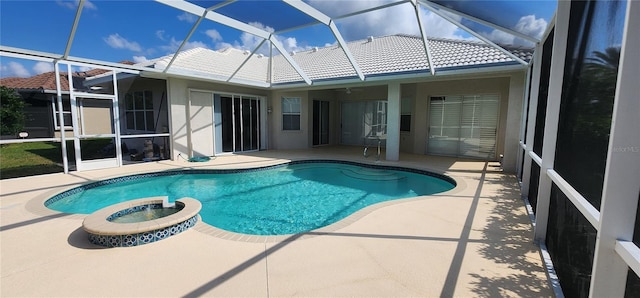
[(237, 123), (464, 126), (320, 122)]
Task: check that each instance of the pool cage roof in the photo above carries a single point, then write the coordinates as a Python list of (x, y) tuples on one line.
[(271, 30)]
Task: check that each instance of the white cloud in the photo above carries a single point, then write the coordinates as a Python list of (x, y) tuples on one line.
[(400, 19), (42, 67), (81, 68), (187, 17), (88, 5), (528, 25), (214, 34), (73, 5), (14, 69), (174, 44), (118, 42), (140, 59), (531, 26), (250, 42), (160, 35)]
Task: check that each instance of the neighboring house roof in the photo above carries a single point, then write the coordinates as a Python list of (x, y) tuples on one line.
[(380, 55), (44, 82)]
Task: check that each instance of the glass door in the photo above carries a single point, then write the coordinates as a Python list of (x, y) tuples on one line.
[(237, 123), (464, 126), (320, 122)]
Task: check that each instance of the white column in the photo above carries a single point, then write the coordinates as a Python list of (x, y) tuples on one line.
[(531, 119), (393, 121), (63, 137), (620, 190), (512, 130), (551, 118), (523, 119)]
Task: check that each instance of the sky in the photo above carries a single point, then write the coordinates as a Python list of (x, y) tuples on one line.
[(140, 30)]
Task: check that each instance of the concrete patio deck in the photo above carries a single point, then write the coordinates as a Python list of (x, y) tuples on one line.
[(473, 241)]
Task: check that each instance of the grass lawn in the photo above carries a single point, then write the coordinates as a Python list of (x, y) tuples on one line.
[(36, 158), (28, 159)]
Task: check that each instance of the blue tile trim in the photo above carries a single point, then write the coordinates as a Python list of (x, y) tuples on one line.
[(130, 240), (179, 206), (234, 171)]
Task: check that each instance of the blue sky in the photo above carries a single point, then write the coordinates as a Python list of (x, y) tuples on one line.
[(140, 30)]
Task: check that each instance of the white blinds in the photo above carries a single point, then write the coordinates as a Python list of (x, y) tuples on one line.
[(463, 125)]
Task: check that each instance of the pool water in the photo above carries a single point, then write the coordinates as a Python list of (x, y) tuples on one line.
[(280, 200), (144, 215)]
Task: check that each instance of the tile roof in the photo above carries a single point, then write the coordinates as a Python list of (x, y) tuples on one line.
[(42, 82), (379, 55), (46, 82), (221, 63)]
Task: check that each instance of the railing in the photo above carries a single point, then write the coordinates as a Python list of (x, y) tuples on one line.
[(366, 150)]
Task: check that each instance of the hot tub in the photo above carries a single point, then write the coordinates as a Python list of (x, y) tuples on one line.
[(141, 221)]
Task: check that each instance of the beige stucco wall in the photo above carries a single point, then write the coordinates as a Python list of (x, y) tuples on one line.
[(509, 86), (280, 139)]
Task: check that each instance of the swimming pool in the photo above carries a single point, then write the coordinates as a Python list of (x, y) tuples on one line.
[(276, 200)]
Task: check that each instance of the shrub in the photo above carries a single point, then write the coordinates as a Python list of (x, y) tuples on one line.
[(11, 112)]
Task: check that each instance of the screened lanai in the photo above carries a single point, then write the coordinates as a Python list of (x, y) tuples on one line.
[(555, 82)]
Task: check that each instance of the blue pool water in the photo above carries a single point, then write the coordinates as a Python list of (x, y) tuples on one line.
[(278, 200)]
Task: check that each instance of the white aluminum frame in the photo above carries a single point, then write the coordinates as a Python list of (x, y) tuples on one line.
[(615, 252)]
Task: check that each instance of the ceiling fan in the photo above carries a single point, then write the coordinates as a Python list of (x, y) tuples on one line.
[(348, 90)]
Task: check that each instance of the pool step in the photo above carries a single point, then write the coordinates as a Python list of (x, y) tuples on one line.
[(372, 174)]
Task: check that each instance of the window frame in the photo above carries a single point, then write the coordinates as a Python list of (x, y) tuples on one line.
[(291, 113), (408, 112), (134, 110), (55, 113)]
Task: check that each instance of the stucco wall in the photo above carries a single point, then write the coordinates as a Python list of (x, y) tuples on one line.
[(508, 86), (281, 139)]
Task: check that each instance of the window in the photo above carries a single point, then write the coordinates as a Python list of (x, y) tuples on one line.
[(139, 110), (66, 113), (464, 125), (290, 113), (405, 114)]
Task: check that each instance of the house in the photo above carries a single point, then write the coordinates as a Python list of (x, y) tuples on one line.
[(39, 94), (245, 102)]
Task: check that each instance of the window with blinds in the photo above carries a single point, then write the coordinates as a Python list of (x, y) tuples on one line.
[(464, 126)]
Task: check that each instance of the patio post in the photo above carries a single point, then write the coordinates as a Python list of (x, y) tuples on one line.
[(393, 121)]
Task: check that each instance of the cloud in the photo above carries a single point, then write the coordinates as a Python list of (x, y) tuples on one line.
[(118, 42), (187, 17), (174, 44), (42, 67), (528, 25), (531, 26), (14, 69), (378, 22), (73, 5), (249, 41), (160, 35), (214, 34), (140, 59)]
